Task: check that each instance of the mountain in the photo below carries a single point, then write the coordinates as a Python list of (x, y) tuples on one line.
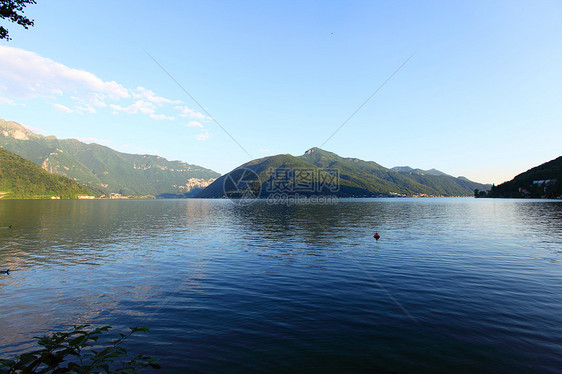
[(543, 181), (278, 174), (319, 172), (103, 168), (22, 179), (407, 169)]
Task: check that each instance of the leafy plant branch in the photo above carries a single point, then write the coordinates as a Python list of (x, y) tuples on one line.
[(80, 351)]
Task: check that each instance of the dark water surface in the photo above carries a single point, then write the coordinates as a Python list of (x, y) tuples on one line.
[(453, 285)]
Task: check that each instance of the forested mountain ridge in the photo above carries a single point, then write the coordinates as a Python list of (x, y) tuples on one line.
[(22, 179), (543, 181), (347, 177), (103, 168)]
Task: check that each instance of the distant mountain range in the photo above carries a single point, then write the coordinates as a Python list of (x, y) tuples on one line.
[(104, 169), (543, 181), (319, 172), (22, 179), (407, 169)]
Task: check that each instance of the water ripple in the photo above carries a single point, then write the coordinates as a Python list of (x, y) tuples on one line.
[(453, 285)]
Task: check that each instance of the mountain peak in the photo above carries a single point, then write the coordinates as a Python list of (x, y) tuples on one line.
[(318, 152), (15, 130), (407, 169)]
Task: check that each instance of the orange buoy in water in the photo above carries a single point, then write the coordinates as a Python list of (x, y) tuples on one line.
[(376, 236)]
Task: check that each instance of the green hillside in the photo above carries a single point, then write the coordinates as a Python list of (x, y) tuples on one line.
[(270, 175), (22, 179), (319, 172), (378, 179), (543, 181), (367, 175), (103, 168)]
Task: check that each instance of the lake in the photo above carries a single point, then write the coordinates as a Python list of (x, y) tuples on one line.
[(453, 284)]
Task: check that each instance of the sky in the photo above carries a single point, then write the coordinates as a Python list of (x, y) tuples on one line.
[(470, 88)]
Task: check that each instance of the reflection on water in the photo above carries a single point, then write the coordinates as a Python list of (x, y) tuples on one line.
[(452, 285)]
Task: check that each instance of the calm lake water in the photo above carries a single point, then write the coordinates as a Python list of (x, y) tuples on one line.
[(453, 285)]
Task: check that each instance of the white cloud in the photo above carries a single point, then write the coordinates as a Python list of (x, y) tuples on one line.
[(162, 116), (26, 75), (187, 112), (85, 108), (264, 150), (194, 124), (4, 100), (98, 102), (203, 136), (63, 108), (143, 93), (139, 106)]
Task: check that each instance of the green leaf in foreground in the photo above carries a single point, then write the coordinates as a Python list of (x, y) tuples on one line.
[(80, 351)]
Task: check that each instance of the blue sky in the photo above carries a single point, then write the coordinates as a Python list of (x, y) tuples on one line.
[(481, 97)]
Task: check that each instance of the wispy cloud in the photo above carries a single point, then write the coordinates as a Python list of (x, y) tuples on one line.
[(145, 94), (62, 108), (160, 117), (203, 136), (86, 109), (190, 113), (26, 75), (4, 100), (194, 124), (139, 106), (36, 130)]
